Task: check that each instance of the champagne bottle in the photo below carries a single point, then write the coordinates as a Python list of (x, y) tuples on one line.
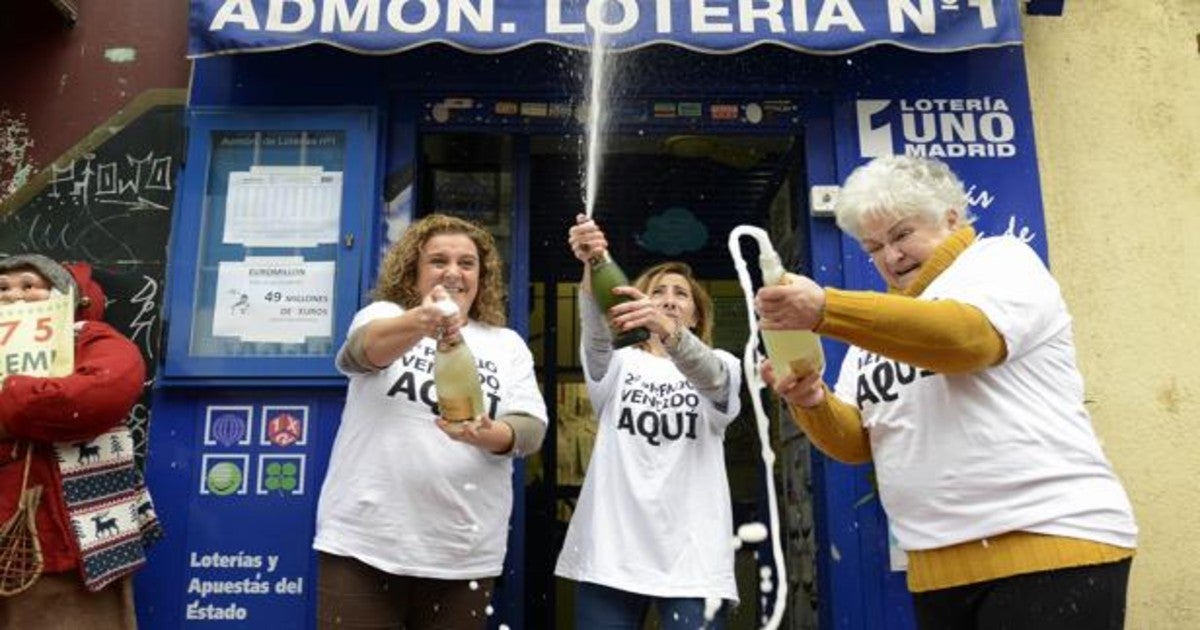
[(791, 351), (607, 275), (459, 394)]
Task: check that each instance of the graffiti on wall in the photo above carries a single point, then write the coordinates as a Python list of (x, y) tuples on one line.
[(108, 202), (119, 181)]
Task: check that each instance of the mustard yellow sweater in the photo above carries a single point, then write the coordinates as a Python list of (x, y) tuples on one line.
[(949, 337)]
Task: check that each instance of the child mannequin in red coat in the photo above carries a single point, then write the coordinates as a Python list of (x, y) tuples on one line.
[(94, 516)]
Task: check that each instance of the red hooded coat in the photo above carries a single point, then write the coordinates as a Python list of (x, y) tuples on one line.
[(107, 381)]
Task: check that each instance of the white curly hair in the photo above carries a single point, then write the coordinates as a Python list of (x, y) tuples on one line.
[(900, 186)]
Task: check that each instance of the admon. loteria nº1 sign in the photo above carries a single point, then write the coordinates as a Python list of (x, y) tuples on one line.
[(719, 26)]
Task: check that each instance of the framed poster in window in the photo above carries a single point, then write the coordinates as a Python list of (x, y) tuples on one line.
[(268, 277)]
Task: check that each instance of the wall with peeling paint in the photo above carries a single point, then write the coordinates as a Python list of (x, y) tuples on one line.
[(1116, 88), (60, 82), (15, 143)]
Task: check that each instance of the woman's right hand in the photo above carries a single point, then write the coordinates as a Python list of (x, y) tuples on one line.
[(801, 391), (586, 238), (433, 321)]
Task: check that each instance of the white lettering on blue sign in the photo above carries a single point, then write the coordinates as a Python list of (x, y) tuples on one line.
[(936, 127), (605, 16)]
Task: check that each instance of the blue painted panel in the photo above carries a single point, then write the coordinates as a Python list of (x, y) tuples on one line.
[(236, 477), (970, 109)]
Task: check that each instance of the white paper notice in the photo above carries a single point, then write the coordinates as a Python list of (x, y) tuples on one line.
[(274, 299), (283, 206)]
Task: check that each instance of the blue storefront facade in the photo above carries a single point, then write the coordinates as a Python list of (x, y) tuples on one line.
[(318, 130)]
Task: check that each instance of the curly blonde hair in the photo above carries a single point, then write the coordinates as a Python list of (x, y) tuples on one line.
[(700, 297), (398, 274)]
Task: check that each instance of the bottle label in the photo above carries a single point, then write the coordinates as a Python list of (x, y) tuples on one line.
[(457, 409)]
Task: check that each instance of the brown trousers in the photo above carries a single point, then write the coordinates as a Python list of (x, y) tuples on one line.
[(58, 601), (353, 595)]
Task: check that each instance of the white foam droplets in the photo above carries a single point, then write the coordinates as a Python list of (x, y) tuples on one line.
[(711, 606), (447, 307), (752, 532), (834, 553), (474, 585), (489, 610)]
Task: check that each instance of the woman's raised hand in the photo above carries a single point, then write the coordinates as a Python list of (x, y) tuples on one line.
[(586, 238), (796, 304), (436, 322)]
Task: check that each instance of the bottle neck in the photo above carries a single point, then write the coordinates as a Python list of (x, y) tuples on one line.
[(599, 259), (448, 344)]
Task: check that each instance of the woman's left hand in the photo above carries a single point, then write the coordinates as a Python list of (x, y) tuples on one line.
[(482, 432), (641, 312), (802, 391)]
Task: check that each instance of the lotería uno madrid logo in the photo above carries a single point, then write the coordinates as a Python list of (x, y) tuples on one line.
[(936, 127)]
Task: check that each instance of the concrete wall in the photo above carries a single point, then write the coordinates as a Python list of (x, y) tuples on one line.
[(59, 82), (1116, 97)]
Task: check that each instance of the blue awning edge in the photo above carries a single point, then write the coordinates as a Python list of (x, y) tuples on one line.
[(380, 27)]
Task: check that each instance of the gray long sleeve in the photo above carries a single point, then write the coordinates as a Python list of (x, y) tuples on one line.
[(352, 357), (528, 433), (702, 367), (595, 337)]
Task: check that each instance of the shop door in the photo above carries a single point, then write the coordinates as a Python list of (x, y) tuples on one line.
[(663, 196)]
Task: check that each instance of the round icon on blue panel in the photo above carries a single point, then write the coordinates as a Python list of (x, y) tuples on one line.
[(224, 479), (229, 429)]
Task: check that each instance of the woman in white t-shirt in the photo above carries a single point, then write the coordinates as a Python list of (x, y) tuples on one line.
[(412, 522), (654, 523), (961, 387)]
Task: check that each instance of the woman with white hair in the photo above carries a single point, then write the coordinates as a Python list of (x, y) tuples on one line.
[(960, 386)]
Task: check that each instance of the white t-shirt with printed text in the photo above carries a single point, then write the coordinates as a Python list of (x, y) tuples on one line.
[(654, 516), (403, 497), (1007, 448)]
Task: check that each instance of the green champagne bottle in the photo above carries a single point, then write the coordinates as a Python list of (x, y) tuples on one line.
[(607, 275)]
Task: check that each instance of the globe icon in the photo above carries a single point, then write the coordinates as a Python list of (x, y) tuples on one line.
[(224, 478), (229, 428)]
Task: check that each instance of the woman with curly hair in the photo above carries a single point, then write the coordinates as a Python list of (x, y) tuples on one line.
[(413, 516)]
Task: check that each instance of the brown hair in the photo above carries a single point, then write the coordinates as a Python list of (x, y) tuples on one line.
[(700, 297), (398, 274)]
